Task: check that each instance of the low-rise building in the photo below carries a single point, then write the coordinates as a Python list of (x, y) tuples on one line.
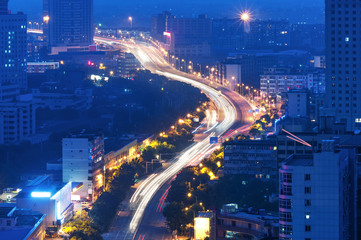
[(42, 67), (127, 64), (275, 81), (255, 158), (20, 224), (80, 99), (50, 198), (246, 225)]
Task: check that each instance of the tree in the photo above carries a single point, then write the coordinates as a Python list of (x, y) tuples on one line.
[(81, 227), (266, 118), (148, 154), (176, 217), (254, 132)]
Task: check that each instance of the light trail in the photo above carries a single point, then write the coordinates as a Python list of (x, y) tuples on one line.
[(152, 60)]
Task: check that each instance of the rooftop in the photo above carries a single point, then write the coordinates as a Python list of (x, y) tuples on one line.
[(251, 142), (6, 209), (252, 217), (299, 160), (42, 184), (85, 134), (354, 140)]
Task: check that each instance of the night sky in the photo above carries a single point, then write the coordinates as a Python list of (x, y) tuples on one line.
[(117, 11)]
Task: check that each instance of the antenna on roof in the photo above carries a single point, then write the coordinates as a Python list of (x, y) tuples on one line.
[(297, 139)]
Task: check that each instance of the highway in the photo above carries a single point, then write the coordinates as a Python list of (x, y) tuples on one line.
[(234, 113), (142, 217)]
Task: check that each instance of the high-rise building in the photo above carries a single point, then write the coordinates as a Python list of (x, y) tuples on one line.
[(318, 195), (68, 22), (343, 61), (4, 6), (158, 25), (12, 48)]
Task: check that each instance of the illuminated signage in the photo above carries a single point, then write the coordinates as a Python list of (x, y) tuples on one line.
[(58, 211), (41, 194), (167, 34), (201, 228)]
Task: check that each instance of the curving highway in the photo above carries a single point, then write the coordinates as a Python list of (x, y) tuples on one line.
[(233, 117), (152, 60)]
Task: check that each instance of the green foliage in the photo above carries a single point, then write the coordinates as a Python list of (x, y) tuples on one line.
[(156, 147), (176, 217), (81, 227), (105, 207), (254, 132), (244, 190), (148, 153)]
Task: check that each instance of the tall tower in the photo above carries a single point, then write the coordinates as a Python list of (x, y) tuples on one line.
[(4, 6), (68, 22), (343, 61), (12, 48)]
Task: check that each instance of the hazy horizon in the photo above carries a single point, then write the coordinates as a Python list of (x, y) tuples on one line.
[(115, 12)]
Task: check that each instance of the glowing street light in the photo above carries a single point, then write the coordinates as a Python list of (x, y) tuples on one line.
[(245, 16), (46, 19), (130, 19)]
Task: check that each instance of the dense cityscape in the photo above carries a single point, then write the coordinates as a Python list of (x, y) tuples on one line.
[(180, 120)]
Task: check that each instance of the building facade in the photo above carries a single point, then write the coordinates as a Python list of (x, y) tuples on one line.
[(68, 22), (42, 67), (48, 197), (17, 121), (12, 47), (275, 81), (318, 195), (254, 158), (82, 154), (268, 34), (343, 72)]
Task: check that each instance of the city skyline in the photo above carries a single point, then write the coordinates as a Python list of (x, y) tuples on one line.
[(199, 120), (111, 12)]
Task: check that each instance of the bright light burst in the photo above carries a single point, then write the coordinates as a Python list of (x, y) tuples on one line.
[(245, 16)]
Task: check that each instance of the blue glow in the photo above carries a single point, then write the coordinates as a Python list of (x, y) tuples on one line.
[(41, 194), (58, 211)]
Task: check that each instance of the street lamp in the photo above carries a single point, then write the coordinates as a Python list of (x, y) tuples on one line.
[(131, 21), (246, 18)]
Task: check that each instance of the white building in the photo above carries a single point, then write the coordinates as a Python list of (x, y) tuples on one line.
[(81, 153), (41, 67), (276, 81), (319, 61), (318, 195), (47, 197), (343, 60)]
